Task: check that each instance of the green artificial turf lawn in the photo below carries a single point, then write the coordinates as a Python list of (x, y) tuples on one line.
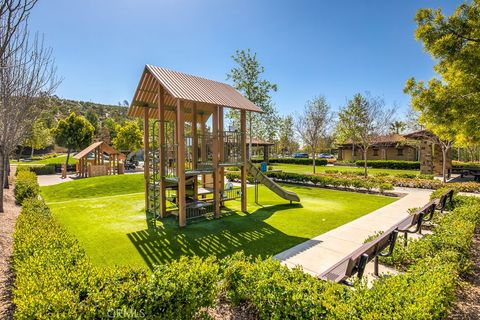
[(296, 168), (106, 215)]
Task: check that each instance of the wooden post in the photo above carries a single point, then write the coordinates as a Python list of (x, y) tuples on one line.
[(203, 147), (146, 160), (243, 168), (182, 218), (215, 160), (161, 144), (221, 149), (194, 149)]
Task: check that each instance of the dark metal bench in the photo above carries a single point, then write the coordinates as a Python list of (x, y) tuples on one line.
[(356, 262), (445, 199), (416, 220)]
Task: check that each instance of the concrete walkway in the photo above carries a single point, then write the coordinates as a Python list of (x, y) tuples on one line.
[(320, 253)]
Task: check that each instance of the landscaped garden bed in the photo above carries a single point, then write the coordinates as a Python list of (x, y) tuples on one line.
[(56, 279)]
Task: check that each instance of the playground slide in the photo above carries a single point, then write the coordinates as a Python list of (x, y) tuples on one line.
[(270, 184)]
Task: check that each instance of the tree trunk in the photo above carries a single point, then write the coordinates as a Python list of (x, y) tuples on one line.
[(2, 175), (19, 155), (444, 164), (6, 173), (353, 152), (31, 154), (313, 160), (365, 162), (68, 156)]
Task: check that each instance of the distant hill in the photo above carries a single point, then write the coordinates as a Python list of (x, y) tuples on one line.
[(61, 108)]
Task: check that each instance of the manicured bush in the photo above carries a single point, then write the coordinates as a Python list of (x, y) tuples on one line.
[(26, 186), (55, 280), (276, 291), (390, 164), (302, 161), (461, 164), (38, 169)]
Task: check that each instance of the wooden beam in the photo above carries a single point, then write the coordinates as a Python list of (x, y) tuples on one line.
[(146, 160), (215, 161), (182, 214), (243, 168), (161, 151)]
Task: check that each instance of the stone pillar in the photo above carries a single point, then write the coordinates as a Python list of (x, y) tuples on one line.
[(426, 159)]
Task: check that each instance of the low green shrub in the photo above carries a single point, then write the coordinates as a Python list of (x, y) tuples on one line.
[(55, 280), (390, 164), (26, 186), (302, 161), (462, 164), (38, 169)]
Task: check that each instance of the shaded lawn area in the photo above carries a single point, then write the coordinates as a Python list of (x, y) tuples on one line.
[(114, 231), (298, 168)]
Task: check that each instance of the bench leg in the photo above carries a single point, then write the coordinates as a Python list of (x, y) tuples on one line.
[(405, 239), (375, 266)]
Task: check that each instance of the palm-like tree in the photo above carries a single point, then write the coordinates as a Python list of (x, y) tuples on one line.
[(397, 127)]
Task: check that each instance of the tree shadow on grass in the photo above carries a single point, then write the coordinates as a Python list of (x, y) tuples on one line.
[(219, 237)]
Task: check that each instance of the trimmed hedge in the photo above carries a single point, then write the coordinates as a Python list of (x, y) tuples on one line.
[(26, 186), (461, 164), (302, 161), (39, 170), (55, 280), (390, 164)]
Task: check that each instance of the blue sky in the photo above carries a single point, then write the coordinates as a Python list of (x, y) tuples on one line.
[(333, 48)]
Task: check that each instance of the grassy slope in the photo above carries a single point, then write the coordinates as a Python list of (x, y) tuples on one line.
[(113, 228), (308, 169), (56, 160)]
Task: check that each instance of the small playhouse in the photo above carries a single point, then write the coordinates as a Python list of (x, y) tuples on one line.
[(99, 159), (186, 146)]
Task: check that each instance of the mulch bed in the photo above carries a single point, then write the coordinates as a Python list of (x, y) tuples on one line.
[(7, 224), (467, 304)]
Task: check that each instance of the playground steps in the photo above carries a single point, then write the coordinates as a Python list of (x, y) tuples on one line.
[(270, 184)]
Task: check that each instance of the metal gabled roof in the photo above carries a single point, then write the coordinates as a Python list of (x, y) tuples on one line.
[(188, 88)]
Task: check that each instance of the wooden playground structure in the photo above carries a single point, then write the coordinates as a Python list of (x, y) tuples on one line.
[(99, 159), (186, 146)]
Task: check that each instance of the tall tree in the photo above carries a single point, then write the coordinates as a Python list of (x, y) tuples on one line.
[(397, 126), (452, 97), (129, 137), (74, 133), (92, 117), (449, 103), (27, 78), (363, 120), (39, 137), (247, 78), (286, 136), (313, 123)]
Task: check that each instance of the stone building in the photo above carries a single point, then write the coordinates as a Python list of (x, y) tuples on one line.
[(388, 147)]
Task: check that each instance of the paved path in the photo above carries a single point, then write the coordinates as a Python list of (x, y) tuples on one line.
[(318, 254)]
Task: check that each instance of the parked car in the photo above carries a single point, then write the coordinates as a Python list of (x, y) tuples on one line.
[(326, 156), (301, 155)]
